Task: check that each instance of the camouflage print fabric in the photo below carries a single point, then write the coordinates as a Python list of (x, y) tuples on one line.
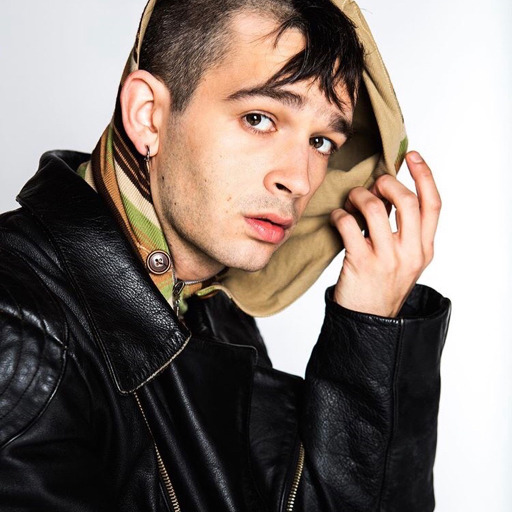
[(118, 172)]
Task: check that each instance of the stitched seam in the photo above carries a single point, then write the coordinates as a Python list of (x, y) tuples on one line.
[(45, 406), (17, 362), (27, 386), (51, 295), (44, 329)]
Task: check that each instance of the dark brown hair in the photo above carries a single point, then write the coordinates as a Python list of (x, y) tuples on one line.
[(184, 38)]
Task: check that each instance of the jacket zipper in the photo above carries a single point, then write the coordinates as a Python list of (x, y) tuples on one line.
[(161, 466), (178, 286), (296, 480)]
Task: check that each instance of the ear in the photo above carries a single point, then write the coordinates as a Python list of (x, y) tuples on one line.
[(145, 106)]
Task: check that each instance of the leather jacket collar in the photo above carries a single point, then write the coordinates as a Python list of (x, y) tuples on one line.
[(104, 270)]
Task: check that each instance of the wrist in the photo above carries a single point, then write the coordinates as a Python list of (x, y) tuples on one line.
[(372, 304)]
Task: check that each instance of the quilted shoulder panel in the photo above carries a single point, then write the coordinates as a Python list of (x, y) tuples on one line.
[(32, 345)]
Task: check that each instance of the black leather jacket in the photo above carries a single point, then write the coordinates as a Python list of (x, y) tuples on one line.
[(108, 403)]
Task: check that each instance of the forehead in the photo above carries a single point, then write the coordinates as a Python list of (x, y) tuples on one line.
[(255, 55)]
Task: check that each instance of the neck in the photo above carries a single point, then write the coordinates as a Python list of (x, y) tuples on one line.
[(190, 264)]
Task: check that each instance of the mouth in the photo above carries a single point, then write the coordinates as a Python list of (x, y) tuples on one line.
[(269, 227)]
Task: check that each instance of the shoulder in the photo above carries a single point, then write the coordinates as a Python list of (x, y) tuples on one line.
[(33, 343)]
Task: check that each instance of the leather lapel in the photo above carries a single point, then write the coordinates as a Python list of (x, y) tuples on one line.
[(135, 327)]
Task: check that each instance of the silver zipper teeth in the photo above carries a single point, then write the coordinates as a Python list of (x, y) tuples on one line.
[(161, 466), (177, 288), (296, 479)]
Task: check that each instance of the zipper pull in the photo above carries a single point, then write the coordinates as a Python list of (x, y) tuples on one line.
[(178, 287)]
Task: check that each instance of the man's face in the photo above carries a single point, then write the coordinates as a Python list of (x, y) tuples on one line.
[(237, 168)]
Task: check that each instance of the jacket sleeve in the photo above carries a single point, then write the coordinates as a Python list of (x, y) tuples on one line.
[(369, 418)]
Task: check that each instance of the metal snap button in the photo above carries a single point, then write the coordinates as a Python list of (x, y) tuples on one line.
[(158, 262)]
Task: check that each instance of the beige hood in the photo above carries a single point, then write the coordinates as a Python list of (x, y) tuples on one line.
[(378, 146)]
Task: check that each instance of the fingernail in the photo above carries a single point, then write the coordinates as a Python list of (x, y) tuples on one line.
[(416, 157)]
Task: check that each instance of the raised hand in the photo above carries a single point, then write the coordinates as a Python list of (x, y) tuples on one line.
[(379, 271)]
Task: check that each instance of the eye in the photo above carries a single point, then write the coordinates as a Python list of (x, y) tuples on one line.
[(323, 145), (259, 122)]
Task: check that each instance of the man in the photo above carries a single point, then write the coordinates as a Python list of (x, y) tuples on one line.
[(133, 376)]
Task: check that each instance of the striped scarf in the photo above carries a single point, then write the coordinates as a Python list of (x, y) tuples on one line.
[(120, 174)]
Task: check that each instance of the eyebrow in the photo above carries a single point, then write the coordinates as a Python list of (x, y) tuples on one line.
[(338, 122), (289, 98), (341, 124)]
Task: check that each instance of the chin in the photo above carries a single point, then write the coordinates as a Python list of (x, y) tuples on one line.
[(251, 267), (250, 260)]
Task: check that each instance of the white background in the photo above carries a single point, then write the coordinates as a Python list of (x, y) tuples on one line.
[(60, 63)]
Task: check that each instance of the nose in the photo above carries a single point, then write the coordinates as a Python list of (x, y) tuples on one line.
[(289, 173)]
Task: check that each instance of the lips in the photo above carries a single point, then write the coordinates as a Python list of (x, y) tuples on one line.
[(269, 227)]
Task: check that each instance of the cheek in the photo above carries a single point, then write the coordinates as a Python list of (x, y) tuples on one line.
[(231, 172), (317, 174), (229, 164), (317, 177)]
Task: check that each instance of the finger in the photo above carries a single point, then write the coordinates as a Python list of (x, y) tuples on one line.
[(374, 212), (429, 199), (352, 209), (350, 232), (408, 218)]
